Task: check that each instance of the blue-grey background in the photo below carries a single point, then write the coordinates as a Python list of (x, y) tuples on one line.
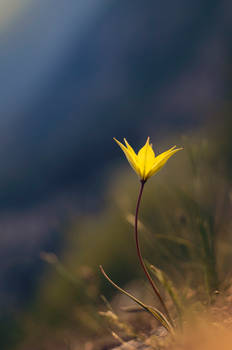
[(74, 74)]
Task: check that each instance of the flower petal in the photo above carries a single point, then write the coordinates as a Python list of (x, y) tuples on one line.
[(130, 149), (161, 159), (129, 155), (146, 158)]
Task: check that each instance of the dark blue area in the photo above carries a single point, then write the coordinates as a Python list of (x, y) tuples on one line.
[(68, 124)]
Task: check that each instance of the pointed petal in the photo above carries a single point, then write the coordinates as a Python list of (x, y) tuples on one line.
[(130, 156), (132, 153), (161, 159), (146, 158), (130, 148)]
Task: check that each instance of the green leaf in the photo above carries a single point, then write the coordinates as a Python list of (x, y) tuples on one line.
[(152, 310)]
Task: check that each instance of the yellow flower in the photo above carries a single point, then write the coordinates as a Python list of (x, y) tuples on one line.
[(145, 163)]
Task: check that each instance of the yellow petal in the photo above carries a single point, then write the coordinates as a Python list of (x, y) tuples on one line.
[(146, 158), (161, 159), (130, 150), (129, 155)]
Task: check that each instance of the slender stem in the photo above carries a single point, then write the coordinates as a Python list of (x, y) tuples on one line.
[(139, 252)]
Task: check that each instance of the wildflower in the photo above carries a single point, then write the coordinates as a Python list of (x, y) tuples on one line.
[(145, 163)]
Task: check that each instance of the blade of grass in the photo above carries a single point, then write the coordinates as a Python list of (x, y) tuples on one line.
[(171, 290)]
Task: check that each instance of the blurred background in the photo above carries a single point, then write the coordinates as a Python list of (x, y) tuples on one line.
[(75, 74)]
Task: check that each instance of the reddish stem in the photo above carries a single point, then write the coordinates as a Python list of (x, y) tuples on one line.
[(139, 252)]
